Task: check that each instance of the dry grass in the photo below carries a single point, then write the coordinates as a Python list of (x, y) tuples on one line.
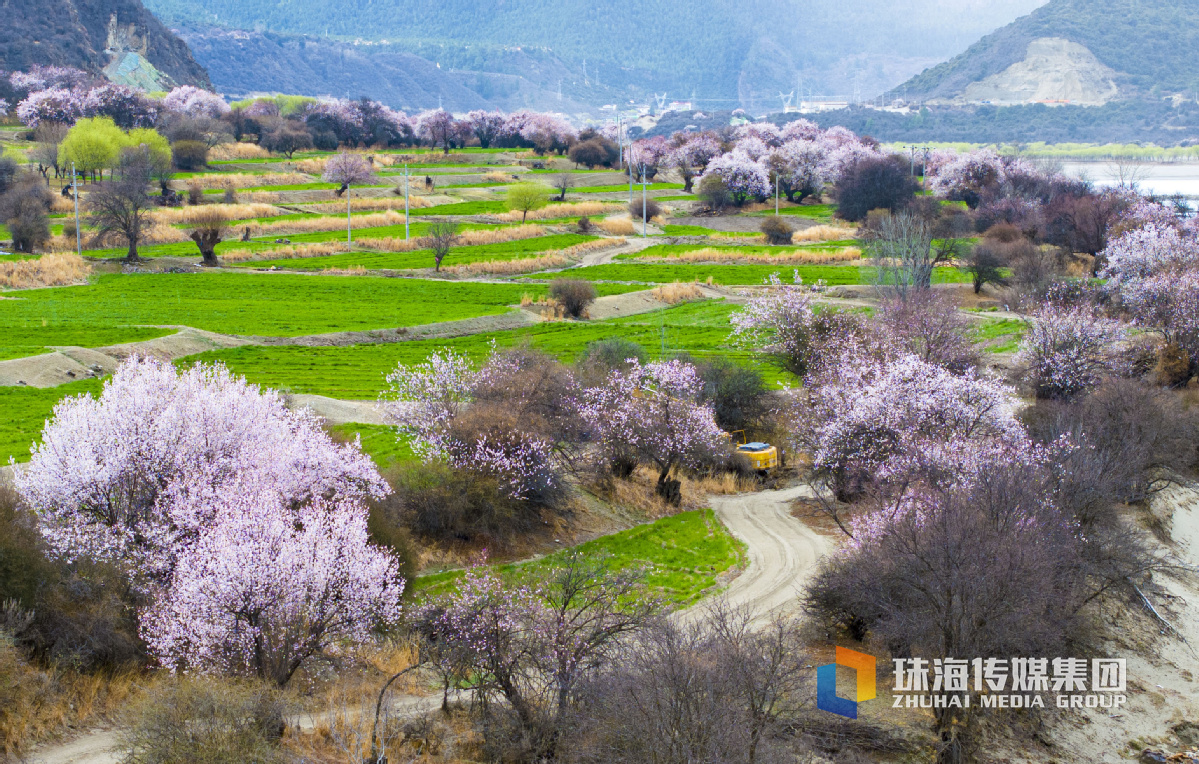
[(287, 253), (229, 151), (638, 491), (510, 267), (371, 203), (37, 704), (247, 180), (60, 205), (47, 270), (615, 226), (177, 215), (466, 238), (578, 250), (822, 233), (332, 223), (570, 210), (314, 166), (709, 255), (495, 176), (672, 294)]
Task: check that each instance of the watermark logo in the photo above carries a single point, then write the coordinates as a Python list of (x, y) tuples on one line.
[(826, 683)]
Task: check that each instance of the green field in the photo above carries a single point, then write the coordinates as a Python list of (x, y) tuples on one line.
[(423, 258), (378, 441), (278, 305), (25, 410), (357, 372), (683, 557), (833, 275)]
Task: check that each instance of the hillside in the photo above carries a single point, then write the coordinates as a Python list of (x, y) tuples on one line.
[(721, 53), (118, 36), (1075, 50)]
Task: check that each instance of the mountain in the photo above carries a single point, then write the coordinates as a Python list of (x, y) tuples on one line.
[(119, 37), (1086, 52), (718, 53)]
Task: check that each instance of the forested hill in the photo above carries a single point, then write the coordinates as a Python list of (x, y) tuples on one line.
[(92, 35), (725, 52), (1152, 46)]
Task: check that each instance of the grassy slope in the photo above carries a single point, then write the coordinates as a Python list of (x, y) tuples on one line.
[(683, 556), (357, 372), (738, 274), (25, 410), (280, 305)]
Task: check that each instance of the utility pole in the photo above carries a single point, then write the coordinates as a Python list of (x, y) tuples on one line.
[(620, 142), (349, 226), (405, 201), (644, 222), (75, 193), (776, 194), (630, 169)]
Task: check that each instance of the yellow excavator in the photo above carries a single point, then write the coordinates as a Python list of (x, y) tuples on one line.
[(762, 456)]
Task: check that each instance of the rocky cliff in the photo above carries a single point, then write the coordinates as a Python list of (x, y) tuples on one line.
[(117, 37)]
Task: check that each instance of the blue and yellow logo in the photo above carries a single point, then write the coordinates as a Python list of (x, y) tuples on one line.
[(826, 683)]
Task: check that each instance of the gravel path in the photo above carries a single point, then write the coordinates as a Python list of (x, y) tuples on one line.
[(782, 551)]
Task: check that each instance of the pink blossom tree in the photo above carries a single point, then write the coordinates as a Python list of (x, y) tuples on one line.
[(128, 108), (56, 105), (195, 102), (266, 587), (126, 476), (1068, 350), (347, 170), (691, 156), (880, 421), (437, 128), (801, 168), (486, 125), (428, 401), (799, 130), (765, 132), (745, 178), (969, 176), (49, 77), (653, 414)]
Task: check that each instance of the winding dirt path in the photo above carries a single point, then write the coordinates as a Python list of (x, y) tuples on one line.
[(782, 551)]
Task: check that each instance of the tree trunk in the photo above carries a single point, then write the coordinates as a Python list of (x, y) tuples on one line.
[(669, 490), (132, 255)]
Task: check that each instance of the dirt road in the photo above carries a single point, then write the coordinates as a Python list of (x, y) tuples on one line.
[(781, 550)]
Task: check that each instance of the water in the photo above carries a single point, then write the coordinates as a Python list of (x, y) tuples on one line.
[(1153, 178)]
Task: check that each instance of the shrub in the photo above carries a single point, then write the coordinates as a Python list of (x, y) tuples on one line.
[(714, 193), (195, 194), (584, 224), (438, 502), (873, 183), (190, 155), (202, 721), (776, 230), (650, 207), (593, 151), (574, 295), (984, 263), (23, 563), (1003, 233), (287, 139), (737, 394), (602, 357)]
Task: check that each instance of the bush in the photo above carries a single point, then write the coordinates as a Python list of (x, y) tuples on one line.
[(593, 151), (24, 209), (387, 533), (651, 208), (574, 295), (602, 357), (871, 184), (776, 230), (195, 194), (584, 224), (714, 193), (441, 503), (203, 721), (190, 155), (288, 138), (985, 264), (736, 393), (23, 564)]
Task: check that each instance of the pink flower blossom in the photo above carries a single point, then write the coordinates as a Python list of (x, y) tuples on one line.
[(53, 105), (195, 102)]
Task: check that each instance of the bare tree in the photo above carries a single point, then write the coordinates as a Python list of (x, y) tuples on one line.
[(121, 208), (902, 253), (208, 228), (441, 238), (563, 182), (48, 136)]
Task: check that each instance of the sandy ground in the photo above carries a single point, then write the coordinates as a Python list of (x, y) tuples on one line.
[(336, 411)]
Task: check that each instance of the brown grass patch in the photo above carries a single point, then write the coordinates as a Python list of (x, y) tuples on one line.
[(822, 233), (709, 255), (465, 239), (60, 205), (45, 271), (495, 176), (578, 250), (370, 203), (616, 226), (568, 210), (679, 291), (230, 151), (320, 249), (178, 215), (37, 704), (247, 180), (510, 267), (331, 223)]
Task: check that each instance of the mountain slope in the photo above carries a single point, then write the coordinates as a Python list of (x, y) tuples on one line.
[(92, 35), (724, 52), (1151, 46)]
